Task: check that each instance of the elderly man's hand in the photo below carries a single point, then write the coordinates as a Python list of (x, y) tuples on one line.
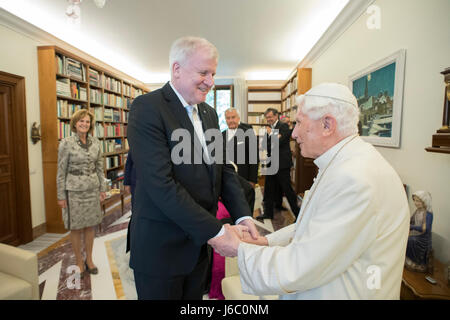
[(251, 227), (261, 241), (227, 244)]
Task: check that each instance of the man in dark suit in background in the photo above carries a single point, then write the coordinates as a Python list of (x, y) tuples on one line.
[(283, 176), (176, 201), (130, 185), (246, 143)]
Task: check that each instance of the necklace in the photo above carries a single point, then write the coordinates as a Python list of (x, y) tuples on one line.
[(320, 178)]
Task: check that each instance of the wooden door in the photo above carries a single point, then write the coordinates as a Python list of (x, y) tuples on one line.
[(15, 211)]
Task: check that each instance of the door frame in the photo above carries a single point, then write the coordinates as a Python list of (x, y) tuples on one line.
[(20, 153)]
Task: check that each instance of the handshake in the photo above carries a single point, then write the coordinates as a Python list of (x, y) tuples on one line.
[(227, 244)]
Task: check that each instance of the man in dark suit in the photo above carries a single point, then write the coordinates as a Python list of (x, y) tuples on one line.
[(176, 201), (130, 185), (283, 176), (245, 143)]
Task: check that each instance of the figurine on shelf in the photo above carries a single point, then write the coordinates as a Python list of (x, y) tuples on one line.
[(418, 251)]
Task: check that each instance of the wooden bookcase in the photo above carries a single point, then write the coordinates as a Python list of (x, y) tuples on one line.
[(97, 89), (304, 169), (259, 99)]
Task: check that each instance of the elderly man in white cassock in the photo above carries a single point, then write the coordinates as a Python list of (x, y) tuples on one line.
[(349, 240)]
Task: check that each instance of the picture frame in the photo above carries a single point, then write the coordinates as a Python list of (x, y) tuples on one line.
[(379, 91)]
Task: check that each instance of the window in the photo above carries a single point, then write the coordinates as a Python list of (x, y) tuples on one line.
[(221, 98)]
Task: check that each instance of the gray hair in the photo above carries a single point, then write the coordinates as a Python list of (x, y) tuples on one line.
[(345, 113), (230, 110), (184, 47)]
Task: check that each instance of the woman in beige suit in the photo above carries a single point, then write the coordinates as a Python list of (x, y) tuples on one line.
[(81, 186)]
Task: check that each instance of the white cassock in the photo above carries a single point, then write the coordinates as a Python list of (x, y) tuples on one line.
[(351, 241)]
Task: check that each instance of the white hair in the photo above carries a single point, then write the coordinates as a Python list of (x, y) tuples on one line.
[(184, 47), (345, 113), (232, 109)]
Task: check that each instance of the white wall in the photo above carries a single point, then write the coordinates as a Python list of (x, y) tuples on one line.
[(19, 56), (423, 29)]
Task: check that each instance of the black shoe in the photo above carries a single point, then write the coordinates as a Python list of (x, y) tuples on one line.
[(263, 216), (91, 271), (281, 208)]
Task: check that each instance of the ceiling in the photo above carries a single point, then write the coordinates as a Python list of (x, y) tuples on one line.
[(256, 39)]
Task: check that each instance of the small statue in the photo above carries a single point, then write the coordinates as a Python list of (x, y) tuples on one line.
[(419, 249)]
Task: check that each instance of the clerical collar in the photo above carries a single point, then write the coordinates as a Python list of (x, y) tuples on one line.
[(323, 160), (183, 102)]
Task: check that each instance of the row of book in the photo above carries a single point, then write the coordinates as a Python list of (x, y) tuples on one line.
[(290, 87), (95, 96), (127, 103), (288, 103), (112, 84), (112, 162), (64, 109), (63, 87), (77, 91), (95, 77), (111, 99), (70, 67), (111, 145), (98, 113), (70, 89), (106, 130), (116, 177), (111, 115), (127, 89), (64, 129)]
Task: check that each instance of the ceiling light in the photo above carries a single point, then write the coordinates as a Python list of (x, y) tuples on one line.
[(100, 3)]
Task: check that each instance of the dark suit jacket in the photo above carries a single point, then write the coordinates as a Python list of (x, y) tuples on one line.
[(246, 170), (175, 204), (130, 171), (284, 147)]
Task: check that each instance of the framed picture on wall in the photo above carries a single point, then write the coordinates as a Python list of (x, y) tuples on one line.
[(379, 91)]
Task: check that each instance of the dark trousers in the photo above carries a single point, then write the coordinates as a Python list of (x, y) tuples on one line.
[(182, 287), (283, 179), (132, 187)]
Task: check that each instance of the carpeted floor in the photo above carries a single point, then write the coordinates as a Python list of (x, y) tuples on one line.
[(114, 281)]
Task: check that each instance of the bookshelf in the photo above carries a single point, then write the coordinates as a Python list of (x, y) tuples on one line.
[(259, 99), (304, 169), (68, 83)]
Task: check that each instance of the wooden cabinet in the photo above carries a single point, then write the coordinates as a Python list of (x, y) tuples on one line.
[(304, 169), (68, 83)]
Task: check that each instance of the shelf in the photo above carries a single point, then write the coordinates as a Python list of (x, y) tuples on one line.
[(112, 91), (264, 101), (52, 104), (438, 150), (71, 99)]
